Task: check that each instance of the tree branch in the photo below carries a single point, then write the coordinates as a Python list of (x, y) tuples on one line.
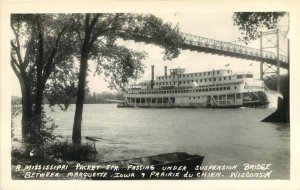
[(15, 61), (28, 51), (13, 64), (18, 53), (50, 62), (94, 21)]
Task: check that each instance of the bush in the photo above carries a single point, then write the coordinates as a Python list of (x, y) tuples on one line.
[(55, 152), (15, 111), (72, 152), (42, 128)]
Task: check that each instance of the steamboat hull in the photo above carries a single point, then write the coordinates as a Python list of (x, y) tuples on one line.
[(257, 100)]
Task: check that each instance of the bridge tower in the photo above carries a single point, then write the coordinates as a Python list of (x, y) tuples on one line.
[(270, 40)]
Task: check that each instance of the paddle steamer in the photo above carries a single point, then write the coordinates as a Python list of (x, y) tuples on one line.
[(217, 89)]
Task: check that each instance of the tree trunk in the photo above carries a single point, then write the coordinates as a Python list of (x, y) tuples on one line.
[(37, 117), (76, 136), (85, 49), (26, 110), (36, 123), (38, 100)]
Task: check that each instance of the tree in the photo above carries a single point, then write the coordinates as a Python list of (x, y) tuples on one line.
[(250, 23), (98, 34), (41, 48)]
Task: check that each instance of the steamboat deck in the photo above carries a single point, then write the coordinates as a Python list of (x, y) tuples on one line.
[(216, 89)]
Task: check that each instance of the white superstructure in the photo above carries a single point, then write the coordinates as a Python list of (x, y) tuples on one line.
[(216, 88)]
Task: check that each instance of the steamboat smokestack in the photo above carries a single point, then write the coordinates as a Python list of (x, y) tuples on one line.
[(166, 71), (152, 76)]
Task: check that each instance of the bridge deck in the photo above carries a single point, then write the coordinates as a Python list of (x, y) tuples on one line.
[(206, 45)]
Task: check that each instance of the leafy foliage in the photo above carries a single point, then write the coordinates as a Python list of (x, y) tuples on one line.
[(271, 83), (72, 152), (97, 35), (48, 44), (55, 152), (15, 111), (119, 63), (251, 23), (42, 49)]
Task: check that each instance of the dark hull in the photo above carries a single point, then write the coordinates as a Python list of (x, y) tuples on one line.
[(160, 162)]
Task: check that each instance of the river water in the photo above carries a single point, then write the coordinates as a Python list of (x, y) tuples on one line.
[(223, 136)]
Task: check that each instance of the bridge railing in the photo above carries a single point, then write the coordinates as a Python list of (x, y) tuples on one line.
[(227, 46)]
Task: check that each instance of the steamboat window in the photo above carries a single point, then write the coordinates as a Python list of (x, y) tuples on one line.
[(194, 97), (189, 97), (215, 79), (209, 80), (191, 75), (224, 78), (199, 74), (228, 87), (229, 78), (218, 72), (239, 76), (219, 79), (205, 80), (235, 87), (249, 76), (203, 74), (208, 73), (200, 80)]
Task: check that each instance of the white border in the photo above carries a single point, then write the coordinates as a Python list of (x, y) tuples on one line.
[(7, 7)]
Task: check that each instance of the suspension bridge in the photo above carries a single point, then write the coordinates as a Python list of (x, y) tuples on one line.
[(229, 49), (206, 45)]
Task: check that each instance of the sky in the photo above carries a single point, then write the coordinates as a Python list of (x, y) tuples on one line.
[(218, 26)]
